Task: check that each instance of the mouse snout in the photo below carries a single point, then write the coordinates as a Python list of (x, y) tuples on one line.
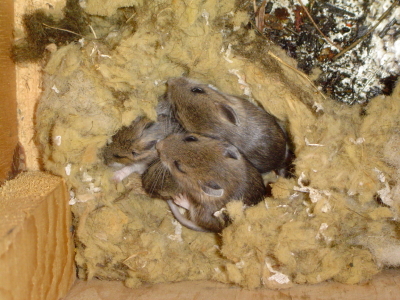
[(159, 145), (172, 81), (164, 158)]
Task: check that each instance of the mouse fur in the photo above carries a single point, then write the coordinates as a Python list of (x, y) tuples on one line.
[(209, 173), (202, 109), (158, 182)]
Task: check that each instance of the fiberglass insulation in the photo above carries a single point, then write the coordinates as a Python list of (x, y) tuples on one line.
[(336, 220)]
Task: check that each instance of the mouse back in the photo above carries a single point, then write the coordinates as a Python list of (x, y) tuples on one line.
[(202, 109)]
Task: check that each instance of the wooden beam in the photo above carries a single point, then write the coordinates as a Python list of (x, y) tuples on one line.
[(385, 285), (36, 244), (8, 106)]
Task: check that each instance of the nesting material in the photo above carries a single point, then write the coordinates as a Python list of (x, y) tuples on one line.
[(336, 220), (45, 32)]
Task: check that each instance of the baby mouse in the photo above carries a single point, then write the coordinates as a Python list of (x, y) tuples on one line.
[(202, 109), (133, 147), (209, 173), (158, 182)]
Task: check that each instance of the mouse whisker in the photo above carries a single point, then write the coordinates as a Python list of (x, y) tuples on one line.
[(155, 181), (158, 178)]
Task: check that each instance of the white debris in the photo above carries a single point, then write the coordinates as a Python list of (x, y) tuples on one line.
[(68, 169), (227, 53), (86, 177), (82, 42), (55, 89), (315, 195), (278, 276), (57, 140), (104, 55), (318, 107), (206, 16), (240, 264), (385, 192), (93, 189), (242, 81), (313, 145), (357, 141), (326, 207), (72, 200), (321, 233), (178, 231)]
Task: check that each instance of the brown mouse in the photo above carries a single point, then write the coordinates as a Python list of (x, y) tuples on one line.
[(202, 109), (209, 173), (133, 147), (158, 182)]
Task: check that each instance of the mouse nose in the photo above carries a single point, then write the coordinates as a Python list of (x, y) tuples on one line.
[(159, 145)]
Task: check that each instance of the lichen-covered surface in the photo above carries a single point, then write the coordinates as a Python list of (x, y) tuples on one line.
[(336, 220)]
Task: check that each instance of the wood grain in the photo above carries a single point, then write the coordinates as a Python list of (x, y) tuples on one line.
[(384, 286), (8, 108), (36, 245)]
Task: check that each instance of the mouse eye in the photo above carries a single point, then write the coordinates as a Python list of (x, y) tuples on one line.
[(134, 153), (178, 167), (150, 145), (190, 138), (197, 90), (148, 125), (118, 156)]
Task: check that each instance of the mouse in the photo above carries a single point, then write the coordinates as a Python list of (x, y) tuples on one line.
[(158, 182), (202, 109), (208, 173), (132, 148)]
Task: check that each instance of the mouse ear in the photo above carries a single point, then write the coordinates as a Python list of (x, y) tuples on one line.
[(229, 113), (212, 189), (150, 145), (231, 152)]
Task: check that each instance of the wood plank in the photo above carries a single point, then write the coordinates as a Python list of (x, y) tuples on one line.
[(384, 286), (8, 108), (36, 244)]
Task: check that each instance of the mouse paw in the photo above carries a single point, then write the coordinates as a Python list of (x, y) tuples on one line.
[(121, 174), (128, 170), (182, 201)]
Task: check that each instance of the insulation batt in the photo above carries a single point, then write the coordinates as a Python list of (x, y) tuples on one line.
[(337, 220)]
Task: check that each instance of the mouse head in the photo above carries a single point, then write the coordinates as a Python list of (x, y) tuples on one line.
[(133, 143), (200, 107), (202, 165)]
